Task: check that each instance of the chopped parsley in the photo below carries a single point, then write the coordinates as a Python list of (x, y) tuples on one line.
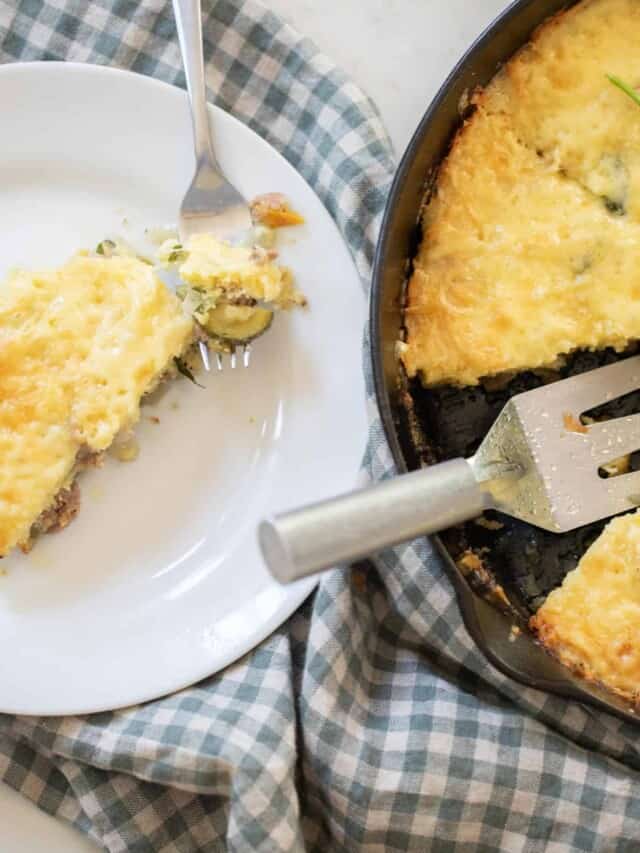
[(624, 87), (176, 254), (106, 248), (182, 368)]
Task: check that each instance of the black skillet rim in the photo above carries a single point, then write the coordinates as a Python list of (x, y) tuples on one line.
[(476, 613)]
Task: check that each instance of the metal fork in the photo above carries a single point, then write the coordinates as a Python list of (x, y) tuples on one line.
[(538, 463), (245, 357), (212, 204)]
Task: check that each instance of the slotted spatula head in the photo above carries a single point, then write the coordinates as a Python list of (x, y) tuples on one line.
[(540, 462), (560, 487)]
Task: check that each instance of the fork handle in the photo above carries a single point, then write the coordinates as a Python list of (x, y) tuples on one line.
[(361, 523), (188, 16)]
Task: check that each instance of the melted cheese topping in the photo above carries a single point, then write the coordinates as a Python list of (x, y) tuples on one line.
[(79, 347), (217, 266), (592, 622), (531, 243)]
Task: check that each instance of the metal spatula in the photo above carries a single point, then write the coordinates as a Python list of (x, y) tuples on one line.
[(533, 465)]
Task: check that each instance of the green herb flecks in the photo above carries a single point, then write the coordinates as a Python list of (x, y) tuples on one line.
[(176, 254), (182, 368), (624, 87), (105, 248)]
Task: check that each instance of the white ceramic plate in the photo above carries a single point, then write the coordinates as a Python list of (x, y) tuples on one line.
[(158, 582)]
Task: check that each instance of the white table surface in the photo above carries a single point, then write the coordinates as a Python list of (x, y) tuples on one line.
[(399, 51)]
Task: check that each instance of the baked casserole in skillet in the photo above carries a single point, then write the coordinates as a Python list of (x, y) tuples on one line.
[(529, 262)]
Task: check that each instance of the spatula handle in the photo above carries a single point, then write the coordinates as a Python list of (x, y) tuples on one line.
[(361, 523)]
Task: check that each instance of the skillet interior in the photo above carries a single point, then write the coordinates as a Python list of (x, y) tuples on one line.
[(424, 426)]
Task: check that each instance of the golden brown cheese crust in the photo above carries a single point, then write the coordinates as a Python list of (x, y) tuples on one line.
[(79, 347), (592, 622), (531, 242)]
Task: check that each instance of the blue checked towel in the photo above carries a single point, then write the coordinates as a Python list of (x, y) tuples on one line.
[(369, 722)]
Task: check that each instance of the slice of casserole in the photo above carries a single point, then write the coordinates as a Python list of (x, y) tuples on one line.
[(80, 346), (592, 622), (531, 237)]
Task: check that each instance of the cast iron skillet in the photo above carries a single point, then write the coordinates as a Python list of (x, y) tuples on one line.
[(424, 426)]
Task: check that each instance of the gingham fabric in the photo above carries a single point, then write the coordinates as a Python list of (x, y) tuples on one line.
[(369, 722)]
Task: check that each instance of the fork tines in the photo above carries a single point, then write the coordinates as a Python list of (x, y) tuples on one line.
[(244, 360)]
